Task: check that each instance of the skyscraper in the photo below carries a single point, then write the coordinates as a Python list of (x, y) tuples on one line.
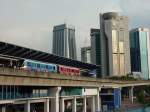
[(64, 41), (95, 46), (86, 54), (96, 50), (114, 42), (140, 51)]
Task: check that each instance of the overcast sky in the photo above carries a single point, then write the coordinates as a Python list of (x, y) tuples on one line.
[(29, 23)]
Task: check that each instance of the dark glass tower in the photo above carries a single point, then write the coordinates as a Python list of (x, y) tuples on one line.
[(140, 51), (64, 43), (96, 50)]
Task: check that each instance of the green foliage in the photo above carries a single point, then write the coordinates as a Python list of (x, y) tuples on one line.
[(127, 77), (140, 97), (143, 95), (147, 89)]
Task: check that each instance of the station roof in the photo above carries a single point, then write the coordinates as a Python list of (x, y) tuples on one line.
[(27, 53)]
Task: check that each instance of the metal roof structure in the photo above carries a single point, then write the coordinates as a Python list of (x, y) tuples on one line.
[(15, 51)]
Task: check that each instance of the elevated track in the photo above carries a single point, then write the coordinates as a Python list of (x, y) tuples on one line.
[(9, 76)]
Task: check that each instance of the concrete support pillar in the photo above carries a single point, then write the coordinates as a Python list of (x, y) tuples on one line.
[(120, 96), (84, 104), (46, 105), (27, 106), (131, 94), (55, 101), (74, 104), (62, 105), (93, 104), (98, 101), (3, 109)]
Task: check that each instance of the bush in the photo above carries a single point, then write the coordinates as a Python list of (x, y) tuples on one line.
[(128, 78)]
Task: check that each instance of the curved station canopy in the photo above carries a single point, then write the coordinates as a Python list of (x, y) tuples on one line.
[(18, 52)]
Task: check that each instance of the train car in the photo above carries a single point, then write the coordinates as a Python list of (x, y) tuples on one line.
[(39, 66), (68, 70)]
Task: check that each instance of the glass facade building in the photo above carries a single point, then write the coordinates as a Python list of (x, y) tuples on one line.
[(114, 44), (140, 51), (64, 43), (96, 50), (8, 92), (86, 54)]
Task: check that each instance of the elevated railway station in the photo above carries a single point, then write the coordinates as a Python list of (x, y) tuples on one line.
[(28, 90), (18, 52), (19, 87)]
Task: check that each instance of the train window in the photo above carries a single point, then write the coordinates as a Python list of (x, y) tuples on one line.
[(46, 66), (38, 65), (43, 66), (76, 71), (28, 64), (33, 64), (68, 70), (49, 67), (61, 69), (53, 67)]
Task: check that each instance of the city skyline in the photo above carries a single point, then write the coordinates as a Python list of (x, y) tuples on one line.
[(31, 19)]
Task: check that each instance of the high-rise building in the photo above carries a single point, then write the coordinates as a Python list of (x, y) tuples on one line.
[(95, 46), (114, 43), (64, 41), (96, 49), (86, 54), (140, 51)]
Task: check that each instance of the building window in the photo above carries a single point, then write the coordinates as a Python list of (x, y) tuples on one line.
[(114, 41), (122, 70), (121, 47), (115, 64)]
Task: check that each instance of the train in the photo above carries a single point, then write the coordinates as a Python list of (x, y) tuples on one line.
[(33, 65), (51, 68)]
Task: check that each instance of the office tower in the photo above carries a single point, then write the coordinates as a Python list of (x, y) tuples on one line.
[(86, 54), (95, 46), (114, 42), (140, 51), (64, 41), (96, 49)]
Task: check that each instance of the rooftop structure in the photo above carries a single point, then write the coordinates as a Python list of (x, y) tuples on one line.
[(27, 53)]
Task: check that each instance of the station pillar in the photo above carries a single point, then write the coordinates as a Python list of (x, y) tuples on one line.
[(98, 101), (131, 92), (3, 109), (62, 106), (46, 105), (84, 104), (120, 96), (93, 104), (27, 106), (55, 101), (74, 103)]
